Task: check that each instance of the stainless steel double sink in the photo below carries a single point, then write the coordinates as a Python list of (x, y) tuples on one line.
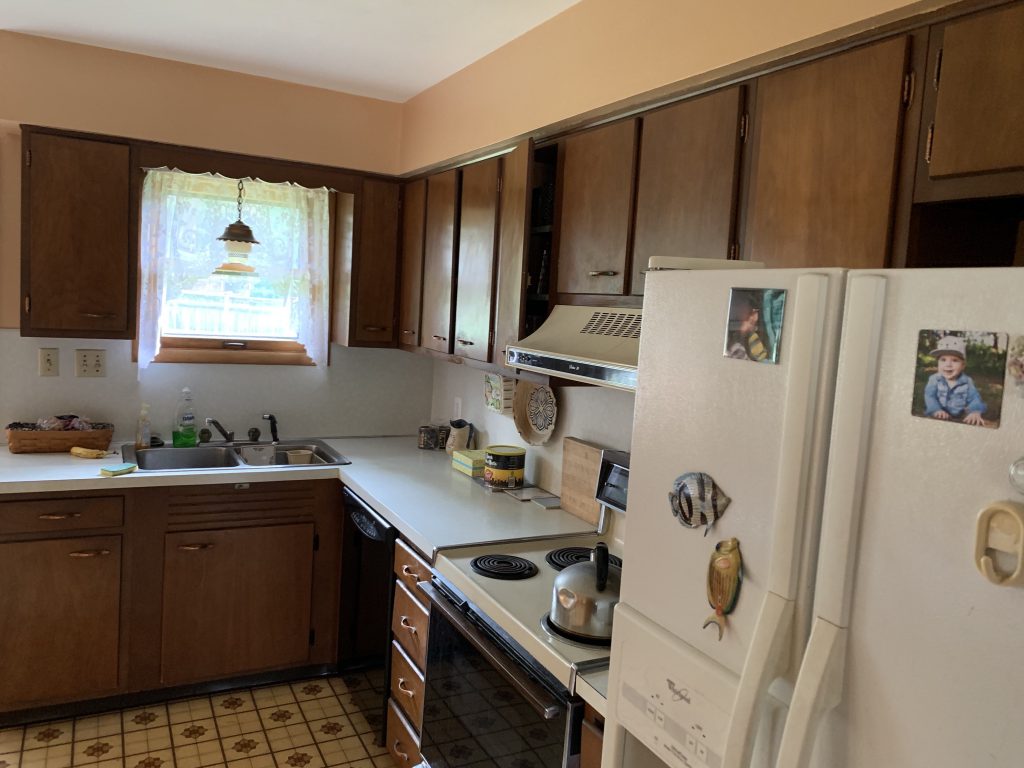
[(229, 456)]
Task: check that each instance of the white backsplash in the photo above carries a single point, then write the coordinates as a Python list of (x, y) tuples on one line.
[(363, 392), (597, 414)]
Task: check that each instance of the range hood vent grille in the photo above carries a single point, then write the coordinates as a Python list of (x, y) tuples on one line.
[(616, 324)]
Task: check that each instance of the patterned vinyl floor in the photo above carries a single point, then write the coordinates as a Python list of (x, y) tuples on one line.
[(319, 723)]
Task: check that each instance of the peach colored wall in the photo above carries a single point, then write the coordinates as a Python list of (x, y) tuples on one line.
[(79, 87), (602, 51)]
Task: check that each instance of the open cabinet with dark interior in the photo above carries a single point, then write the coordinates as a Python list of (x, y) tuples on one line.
[(968, 233), (539, 259)]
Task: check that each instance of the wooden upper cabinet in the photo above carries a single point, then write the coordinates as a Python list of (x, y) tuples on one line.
[(596, 208), (439, 261), (236, 601), (413, 220), (687, 180), (375, 271), (513, 224), (823, 165), (979, 112), (59, 608), (478, 221), (77, 269)]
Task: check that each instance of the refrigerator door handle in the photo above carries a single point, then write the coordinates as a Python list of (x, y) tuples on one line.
[(763, 664), (819, 688)]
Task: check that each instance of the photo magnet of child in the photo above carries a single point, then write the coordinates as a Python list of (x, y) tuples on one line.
[(959, 376)]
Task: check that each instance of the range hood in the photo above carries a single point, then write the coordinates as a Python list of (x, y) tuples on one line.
[(596, 345)]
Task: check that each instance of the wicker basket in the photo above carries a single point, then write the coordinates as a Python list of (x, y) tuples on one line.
[(56, 441)]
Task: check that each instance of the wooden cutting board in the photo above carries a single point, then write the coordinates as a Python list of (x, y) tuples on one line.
[(581, 465)]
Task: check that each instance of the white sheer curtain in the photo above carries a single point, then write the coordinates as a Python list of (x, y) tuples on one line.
[(288, 298)]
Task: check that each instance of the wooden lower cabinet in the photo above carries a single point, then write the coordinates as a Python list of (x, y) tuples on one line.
[(235, 601), (403, 743), (60, 603), (591, 738)]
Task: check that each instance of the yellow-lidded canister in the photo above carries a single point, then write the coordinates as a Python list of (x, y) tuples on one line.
[(504, 466)]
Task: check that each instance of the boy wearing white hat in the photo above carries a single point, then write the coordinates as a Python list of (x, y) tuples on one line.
[(950, 393)]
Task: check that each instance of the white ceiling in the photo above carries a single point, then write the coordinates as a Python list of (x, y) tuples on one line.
[(388, 49)]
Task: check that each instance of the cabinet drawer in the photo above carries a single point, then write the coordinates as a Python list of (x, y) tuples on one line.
[(409, 623), (407, 686), (402, 742), (410, 568), (55, 515)]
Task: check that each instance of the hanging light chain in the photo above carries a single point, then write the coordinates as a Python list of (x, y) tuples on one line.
[(241, 194)]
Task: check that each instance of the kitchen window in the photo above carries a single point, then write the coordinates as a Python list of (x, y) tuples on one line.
[(194, 307)]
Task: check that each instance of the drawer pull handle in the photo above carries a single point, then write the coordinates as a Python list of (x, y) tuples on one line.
[(194, 547), (98, 315), (399, 752), (602, 273), (405, 623), (407, 691), (407, 571), (84, 553), (374, 328), (234, 345), (465, 342), (440, 338), (408, 332), (63, 516)]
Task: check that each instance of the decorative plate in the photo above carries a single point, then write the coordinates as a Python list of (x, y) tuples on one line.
[(534, 411)]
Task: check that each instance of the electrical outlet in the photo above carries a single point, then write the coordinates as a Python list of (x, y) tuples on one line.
[(457, 408), (90, 362), (49, 362)]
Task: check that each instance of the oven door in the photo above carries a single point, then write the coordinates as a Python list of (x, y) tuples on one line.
[(483, 706)]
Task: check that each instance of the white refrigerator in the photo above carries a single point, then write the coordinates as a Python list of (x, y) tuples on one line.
[(864, 633)]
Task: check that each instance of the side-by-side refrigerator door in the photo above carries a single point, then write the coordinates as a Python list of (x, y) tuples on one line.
[(915, 652), (734, 399)]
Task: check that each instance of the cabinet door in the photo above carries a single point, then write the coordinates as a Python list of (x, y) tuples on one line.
[(510, 293), (440, 243), (979, 113), (596, 207), (235, 601), (822, 178), (686, 188), (375, 270), (77, 270), (477, 230), (413, 220), (60, 603)]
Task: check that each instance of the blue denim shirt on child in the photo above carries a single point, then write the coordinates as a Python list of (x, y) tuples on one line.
[(957, 398)]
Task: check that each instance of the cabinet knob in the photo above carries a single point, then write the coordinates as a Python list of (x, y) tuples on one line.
[(374, 328), (84, 553), (407, 691), (465, 342), (602, 273), (407, 571), (63, 516), (396, 749), (404, 621), (408, 332), (195, 547)]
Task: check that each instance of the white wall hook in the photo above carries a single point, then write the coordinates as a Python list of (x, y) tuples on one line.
[(1000, 528)]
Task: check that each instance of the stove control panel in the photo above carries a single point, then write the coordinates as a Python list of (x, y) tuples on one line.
[(670, 696)]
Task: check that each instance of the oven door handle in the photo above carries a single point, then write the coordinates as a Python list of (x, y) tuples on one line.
[(537, 696)]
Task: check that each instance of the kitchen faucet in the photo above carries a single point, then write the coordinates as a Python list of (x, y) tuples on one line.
[(228, 436), (273, 426)]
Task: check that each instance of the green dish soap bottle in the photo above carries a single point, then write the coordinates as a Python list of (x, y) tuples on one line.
[(184, 431)]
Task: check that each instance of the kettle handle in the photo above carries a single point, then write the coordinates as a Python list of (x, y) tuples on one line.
[(601, 561)]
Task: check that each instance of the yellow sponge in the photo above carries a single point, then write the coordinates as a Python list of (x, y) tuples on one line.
[(88, 453)]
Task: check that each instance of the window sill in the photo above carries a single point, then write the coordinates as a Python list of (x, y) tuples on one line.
[(180, 349)]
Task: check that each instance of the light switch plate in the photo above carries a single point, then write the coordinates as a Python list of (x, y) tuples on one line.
[(90, 363), (49, 361)]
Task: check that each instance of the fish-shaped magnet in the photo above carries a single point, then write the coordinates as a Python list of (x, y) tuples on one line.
[(697, 500), (725, 576)]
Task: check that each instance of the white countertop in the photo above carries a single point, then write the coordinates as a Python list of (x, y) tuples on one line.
[(432, 505)]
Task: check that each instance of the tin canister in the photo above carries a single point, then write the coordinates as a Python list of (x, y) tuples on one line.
[(428, 437), (504, 466)]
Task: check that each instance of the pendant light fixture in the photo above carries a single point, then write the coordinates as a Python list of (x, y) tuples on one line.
[(238, 242)]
